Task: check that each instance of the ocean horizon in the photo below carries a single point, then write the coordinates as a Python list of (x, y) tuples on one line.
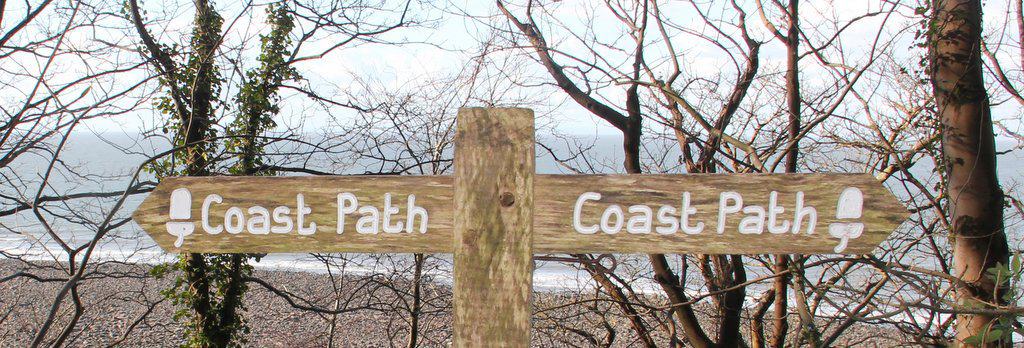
[(109, 159)]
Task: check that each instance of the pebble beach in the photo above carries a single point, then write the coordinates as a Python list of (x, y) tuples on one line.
[(124, 307)]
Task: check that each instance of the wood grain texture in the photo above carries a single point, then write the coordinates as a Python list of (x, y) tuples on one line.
[(556, 195), (433, 193), (554, 200), (493, 239)]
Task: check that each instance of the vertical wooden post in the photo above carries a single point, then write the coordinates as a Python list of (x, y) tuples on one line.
[(493, 242)]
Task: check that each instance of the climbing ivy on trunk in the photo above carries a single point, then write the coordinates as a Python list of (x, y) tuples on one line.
[(210, 289)]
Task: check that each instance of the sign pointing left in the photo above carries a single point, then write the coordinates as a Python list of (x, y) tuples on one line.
[(295, 214)]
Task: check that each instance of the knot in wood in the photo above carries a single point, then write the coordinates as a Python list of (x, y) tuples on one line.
[(507, 199)]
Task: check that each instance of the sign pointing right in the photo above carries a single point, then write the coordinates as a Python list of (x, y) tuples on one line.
[(715, 213)]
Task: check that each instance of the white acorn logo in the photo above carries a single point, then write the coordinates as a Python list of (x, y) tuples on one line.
[(181, 209), (850, 207)]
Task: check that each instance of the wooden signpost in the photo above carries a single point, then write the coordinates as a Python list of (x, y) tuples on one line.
[(495, 213)]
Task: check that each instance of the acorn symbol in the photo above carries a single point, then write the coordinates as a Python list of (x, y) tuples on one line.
[(850, 207), (181, 209)]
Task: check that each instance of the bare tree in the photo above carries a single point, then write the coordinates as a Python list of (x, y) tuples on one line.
[(688, 87), (968, 144)]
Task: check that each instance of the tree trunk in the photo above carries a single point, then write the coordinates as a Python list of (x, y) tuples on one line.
[(730, 328), (793, 85), (781, 286), (196, 125), (974, 197), (631, 126), (414, 320)]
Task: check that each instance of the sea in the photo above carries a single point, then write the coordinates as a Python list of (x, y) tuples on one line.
[(105, 162)]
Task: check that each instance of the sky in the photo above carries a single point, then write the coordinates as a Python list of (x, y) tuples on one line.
[(453, 32)]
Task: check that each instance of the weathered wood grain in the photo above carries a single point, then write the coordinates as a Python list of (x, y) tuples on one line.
[(556, 195), (433, 193), (554, 200), (493, 239)]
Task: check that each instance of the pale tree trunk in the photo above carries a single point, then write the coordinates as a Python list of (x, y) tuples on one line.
[(974, 197)]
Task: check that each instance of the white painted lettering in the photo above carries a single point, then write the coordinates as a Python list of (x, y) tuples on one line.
[(606, 218), (347, 203), (640, 221), (282, 217), (210, 199), (684, 217), (669, 223), (577, 212), (259, 220), (724, 208), (301, 210), (234, 220), (412, 212), (368, 223), (753, 223), (774, 209), (801, 212), (386, 214)]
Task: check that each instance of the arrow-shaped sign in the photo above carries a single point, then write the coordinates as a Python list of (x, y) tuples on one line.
[(708, 214)]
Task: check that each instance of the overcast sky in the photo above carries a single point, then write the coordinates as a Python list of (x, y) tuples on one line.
[(448, 42)]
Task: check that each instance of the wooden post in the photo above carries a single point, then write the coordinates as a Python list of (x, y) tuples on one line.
[(493, 239)]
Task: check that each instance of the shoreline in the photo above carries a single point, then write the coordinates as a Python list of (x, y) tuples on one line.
[(377, 312)]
